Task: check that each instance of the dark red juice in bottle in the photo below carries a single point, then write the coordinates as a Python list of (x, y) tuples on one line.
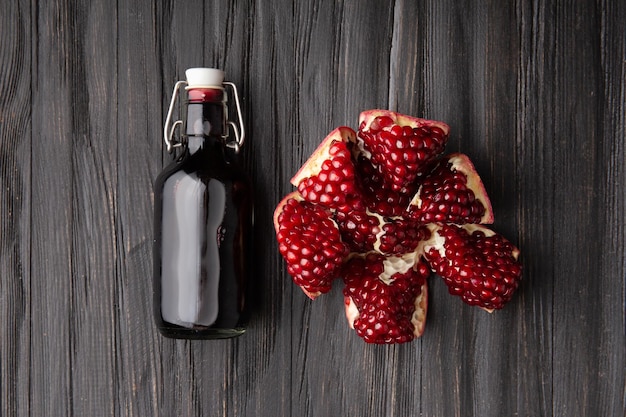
[(203, 226)]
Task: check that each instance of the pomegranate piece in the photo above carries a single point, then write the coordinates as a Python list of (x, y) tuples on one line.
[(400, 147), (452, 193), (476, 263), (327, 177), (386, 298), (310, 243)]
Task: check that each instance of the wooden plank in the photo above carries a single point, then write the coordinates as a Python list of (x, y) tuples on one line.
[(534, 164), (611, 359), (407, 59), (470, 68), (181, 46), (52, 214), (498, 356), (92, 315), (588, 281), (453, 83), (141, 92), (15, 206), (74, 211)]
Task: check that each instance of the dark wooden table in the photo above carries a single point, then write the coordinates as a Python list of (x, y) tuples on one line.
[(534, 92)]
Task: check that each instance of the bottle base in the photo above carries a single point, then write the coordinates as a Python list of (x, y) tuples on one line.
[(200, 334)]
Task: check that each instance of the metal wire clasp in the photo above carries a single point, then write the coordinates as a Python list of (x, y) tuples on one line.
[(240, 132), (169, 128), (168, 131)]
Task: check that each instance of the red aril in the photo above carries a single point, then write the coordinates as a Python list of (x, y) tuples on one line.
[(378, 196)]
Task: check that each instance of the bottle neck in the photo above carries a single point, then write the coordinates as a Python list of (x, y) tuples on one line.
[(206, 119)]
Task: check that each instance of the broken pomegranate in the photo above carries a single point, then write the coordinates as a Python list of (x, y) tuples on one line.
[(309, 240), (382, 209)]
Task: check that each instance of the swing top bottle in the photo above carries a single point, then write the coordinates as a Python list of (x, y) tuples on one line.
[(202, 219)]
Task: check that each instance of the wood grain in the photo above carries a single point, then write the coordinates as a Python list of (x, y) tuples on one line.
[(534, 92), (15, 207)]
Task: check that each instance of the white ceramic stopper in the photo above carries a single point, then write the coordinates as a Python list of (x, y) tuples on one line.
[(204, 77)]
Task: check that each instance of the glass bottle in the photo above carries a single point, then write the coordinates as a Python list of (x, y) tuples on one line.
[(202, 219)]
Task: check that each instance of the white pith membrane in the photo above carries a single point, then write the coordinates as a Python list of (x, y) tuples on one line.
[(359, 149), (437, 241), (418, 319), (352, 312), (381, 232)]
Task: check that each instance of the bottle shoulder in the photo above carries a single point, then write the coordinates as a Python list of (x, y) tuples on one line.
[(201, 170)]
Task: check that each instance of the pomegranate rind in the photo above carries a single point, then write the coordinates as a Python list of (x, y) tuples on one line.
[(294, 195), (459, 163), (367, 117), (313, 257), (462, 163)]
